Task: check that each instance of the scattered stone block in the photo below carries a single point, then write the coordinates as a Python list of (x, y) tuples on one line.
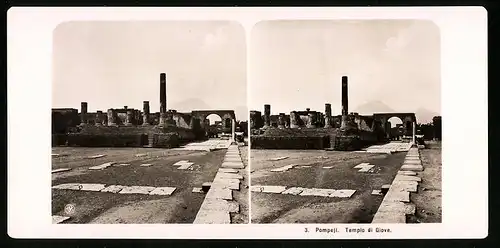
[(61, 170), (277, 159), (162, 191), (410, 186), (113, 188), (360, 166), (293, 191), (185, 166), (141, 155), (228, 176), (395, 196), (145, 165), (220, 205), (366, 168), (273, 189), (92, 186), (327, 167), (102, 166), (377, 192), (197, 190), (136, 190), (179, 163), (97, 156), (56, 219), (343, 193), (70, 186)]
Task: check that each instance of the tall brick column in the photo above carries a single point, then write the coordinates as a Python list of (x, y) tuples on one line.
[(328, 115), (83, 113), (345, 101), (267, 115), (145, 113), (98, 118), (281, 120), (111, 117), (163, 99)]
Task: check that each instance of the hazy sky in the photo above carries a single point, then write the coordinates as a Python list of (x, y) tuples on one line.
[(113, 64), (298, 64)]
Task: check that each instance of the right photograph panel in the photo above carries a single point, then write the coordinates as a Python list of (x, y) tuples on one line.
[(345, 121)]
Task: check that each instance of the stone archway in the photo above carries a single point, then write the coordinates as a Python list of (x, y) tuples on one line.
[(228, 117), (407, 120)]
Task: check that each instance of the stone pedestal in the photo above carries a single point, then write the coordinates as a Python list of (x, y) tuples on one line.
[(311, 120), (281, 121), (294, 120), (98, 118), (111, 117), (267, 116)]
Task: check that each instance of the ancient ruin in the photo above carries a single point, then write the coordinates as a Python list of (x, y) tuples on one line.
[(133, 127), (316, 130)]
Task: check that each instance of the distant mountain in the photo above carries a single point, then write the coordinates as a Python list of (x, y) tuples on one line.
[(189, 105), (425, 115), (371, 107)]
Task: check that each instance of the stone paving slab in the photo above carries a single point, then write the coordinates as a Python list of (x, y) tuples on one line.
[(304, 166), (162, 191), (218, 193), (388, 217), (397, 208), (212, 217), (179, 163), (410, 186), (327, 167), (56, 219), (412, 167), (293, 191), (61, 170), (407, 178), (376, 192), (102, 166), (141, 155), (284, 168), (233, 165), (394, 196), (197, 190), (145, 165), (92, 186), (70, 186), (223, 175), (123, 164), (407, 173), (113, 188), (317, 192), (343, 193), (136, 190), (228, 170), (220, 205), (360, 166), (366, 168), (256, 188), (273, 189)]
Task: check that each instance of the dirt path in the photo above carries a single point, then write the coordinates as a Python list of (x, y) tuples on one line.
[(428, 199)]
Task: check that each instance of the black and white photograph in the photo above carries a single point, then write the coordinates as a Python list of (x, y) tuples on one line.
[(345, 121), (149, 123)]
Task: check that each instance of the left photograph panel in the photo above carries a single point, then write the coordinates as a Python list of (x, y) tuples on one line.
[(149, 123)]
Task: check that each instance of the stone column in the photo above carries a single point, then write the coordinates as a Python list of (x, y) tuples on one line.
[(130, 116), (281, 120), (311, 121), (98, 118), (233, 130), (83, 116), (345, 101), (163, 99), (414, 132), (328, 115), (111, 117), (294, 120), (145, 113), (267, 115)]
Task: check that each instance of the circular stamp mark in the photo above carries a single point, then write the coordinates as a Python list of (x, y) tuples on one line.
[(69, 209)]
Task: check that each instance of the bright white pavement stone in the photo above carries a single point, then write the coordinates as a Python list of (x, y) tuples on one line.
[(70, 186), (293, 191), (92, 186), (343, 193), (113, 188), (102, 166), (145, 165), (97, 156), (61, 170), (273, 189), (136, 190), (162, 191)]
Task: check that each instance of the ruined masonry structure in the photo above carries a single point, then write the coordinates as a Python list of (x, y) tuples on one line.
[(267, 115), (328, 115)]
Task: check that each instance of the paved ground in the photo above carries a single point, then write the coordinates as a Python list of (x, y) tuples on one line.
[(428, 199), (325, 170), (105, 207)]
